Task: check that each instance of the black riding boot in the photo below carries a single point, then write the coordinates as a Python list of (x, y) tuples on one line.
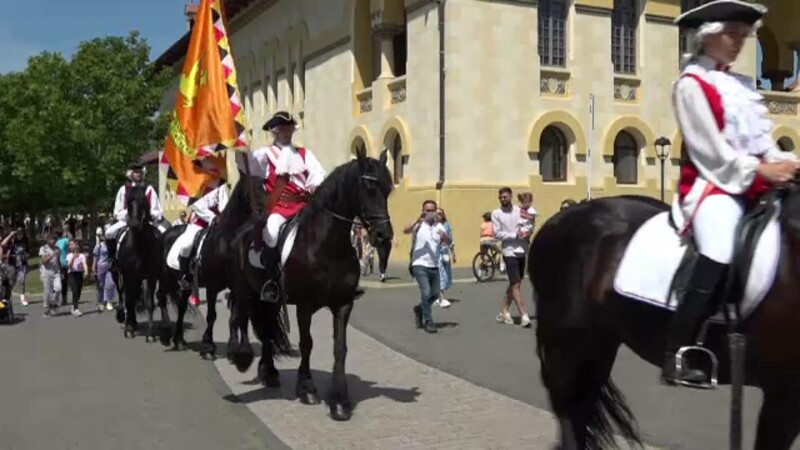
[(270, 292), (111, 247), (185, 263), (693, 309)]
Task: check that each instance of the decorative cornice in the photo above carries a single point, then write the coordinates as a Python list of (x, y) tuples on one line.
[(328, 48), (596, 10), (663, 20), (418, 5)]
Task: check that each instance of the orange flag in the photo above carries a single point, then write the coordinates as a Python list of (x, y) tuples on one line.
[(208, 118)]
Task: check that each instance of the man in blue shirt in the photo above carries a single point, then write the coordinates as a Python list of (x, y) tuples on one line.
[(63, 244)]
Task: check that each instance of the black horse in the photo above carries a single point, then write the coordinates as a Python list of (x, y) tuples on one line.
[(321, 271), (139, 262), (583, 321), (216, 266)]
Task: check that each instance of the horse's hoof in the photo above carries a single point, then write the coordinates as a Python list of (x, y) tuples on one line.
[(120, 315), (273, 381), (341, 412), (309, 398), (269, 377), (179, 344), (208, 348), (242, 360)]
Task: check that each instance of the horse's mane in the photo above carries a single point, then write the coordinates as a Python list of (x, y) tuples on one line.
[(240, 206), (334, 192), (330, 192)]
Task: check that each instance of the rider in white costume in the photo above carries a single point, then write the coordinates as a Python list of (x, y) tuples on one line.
[(206, 209), (291, 175), (135, 175), (732, 159)]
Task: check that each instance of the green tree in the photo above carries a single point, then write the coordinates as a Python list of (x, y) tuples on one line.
[(37, 135), (116, 93), (68, 129)]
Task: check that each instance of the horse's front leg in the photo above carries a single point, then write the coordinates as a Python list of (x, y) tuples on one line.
[(132, 293), (161, 295), (779, 420), (305, 390), (150, 294), (118, 281), (207, 347), (340, 406), (178, 342)]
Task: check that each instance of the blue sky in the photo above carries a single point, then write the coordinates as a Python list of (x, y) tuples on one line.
[(28, 27)]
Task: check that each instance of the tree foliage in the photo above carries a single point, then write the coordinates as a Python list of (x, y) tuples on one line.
[(69, 128)]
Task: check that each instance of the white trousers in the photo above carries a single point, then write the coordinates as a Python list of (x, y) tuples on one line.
[(182, 246), (113, 231), (714, 226), (274, 223)]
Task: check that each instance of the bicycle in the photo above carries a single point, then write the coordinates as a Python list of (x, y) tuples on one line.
[(486, 262)]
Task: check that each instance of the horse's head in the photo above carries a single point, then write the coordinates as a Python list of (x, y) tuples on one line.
[(372, 189), (138, 209)]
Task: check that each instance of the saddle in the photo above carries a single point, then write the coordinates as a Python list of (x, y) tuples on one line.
[(731, 293)]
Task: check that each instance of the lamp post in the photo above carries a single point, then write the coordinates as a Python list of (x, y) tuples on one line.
[(662, 145)]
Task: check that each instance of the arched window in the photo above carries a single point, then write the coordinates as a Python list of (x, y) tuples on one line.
[(552, 32), (397, 158), (623, 36), (626, 159), (785, 144), (553, 155)]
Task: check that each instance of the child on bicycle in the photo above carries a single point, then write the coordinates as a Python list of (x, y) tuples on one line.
[(487, 233)]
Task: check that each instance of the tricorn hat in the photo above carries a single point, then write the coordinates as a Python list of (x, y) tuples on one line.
[(722, 11), (135, 166), (280, 118)]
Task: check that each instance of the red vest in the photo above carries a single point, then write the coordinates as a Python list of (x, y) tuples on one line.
[(147, 191), (689, 172), (284, 208)]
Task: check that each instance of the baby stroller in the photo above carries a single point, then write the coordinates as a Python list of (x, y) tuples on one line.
[(7, 306)]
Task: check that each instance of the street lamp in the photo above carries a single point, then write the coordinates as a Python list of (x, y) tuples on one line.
[(662, 145)]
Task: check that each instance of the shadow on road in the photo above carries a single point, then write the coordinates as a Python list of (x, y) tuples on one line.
[(360, 390)]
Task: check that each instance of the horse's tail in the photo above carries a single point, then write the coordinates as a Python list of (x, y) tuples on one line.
[(603, 410), (276, 329), (575, 354)]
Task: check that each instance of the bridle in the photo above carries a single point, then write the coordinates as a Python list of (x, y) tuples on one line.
[(367, 219)]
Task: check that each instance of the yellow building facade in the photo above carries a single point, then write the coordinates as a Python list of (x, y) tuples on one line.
[(562, 98)]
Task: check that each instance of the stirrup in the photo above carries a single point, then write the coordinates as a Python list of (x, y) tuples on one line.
[(266, 296), (679, 363)]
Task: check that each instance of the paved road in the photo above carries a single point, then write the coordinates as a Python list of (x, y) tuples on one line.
[(76, 384), (501, 357)]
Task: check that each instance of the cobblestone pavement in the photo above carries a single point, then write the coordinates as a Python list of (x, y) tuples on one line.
[(399, 403)]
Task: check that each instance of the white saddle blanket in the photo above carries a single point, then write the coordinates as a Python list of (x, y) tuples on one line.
[(655, 252), (286, 250)]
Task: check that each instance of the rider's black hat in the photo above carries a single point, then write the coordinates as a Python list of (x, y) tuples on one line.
[(135, 166), (280, 118), (722, 11)]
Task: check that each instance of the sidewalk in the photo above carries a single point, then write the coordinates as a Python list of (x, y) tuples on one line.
[(397, 276)]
